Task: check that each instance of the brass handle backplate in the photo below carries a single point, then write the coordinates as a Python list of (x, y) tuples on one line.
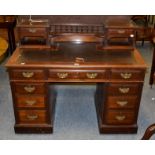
[(32, 117), (28, 74), (31, 30), (120, 117), (121, 31), (122, 103), (29, 89), (126, 75), (62, 75), (124, 90), (30, 102), (91, 75)]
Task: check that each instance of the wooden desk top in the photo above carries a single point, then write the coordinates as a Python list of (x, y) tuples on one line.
[(74, 55)]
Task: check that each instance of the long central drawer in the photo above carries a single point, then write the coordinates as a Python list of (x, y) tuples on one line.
[(77, 74)]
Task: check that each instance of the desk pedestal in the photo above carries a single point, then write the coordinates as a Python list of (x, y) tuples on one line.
[(116, 109), (34, 105)]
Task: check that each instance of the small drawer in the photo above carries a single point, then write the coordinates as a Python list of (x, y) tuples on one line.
[(122, 101), (30, 101), (62, 74), (32, 31), (32, 116), (124, 89), (115, 117), (29, 88), (121, 32), (127, 75), (27, 74)]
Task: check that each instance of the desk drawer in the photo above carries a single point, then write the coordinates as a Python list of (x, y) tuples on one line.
[(75, 74), (122, 102), (120, 32), (32, 116), (116, 117), (127, 75), (30, 101), (62, 74), (29, 88), (124, 89), (27, 74), (32, 31), (100, 74)]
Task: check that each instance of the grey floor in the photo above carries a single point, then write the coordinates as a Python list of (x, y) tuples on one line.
[(75, 116)]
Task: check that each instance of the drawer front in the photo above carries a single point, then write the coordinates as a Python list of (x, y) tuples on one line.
[(32, 31), (73, 74), (30, 101), (102, 74), (124, 89), (29, 88), (122, 101), (115, 117), (32, 116), (120, 32), (62, 75), (27, 74), (127, 75)]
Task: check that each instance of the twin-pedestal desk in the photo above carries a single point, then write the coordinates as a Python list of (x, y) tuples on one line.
[(118, 74)]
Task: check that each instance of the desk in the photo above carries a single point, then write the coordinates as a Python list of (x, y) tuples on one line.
[(118, 75), (9, 23)]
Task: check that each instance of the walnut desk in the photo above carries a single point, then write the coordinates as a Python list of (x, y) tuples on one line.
[(118, 74)]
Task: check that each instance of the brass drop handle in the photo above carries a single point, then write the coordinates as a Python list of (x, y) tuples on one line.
[(29, 89), (126, 75), (30, 102), (120, 117), (122, 103), (121, 31), (28, 74), (91, 75), (32, 117), (62, 75), (124, 90), (32, 30)]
